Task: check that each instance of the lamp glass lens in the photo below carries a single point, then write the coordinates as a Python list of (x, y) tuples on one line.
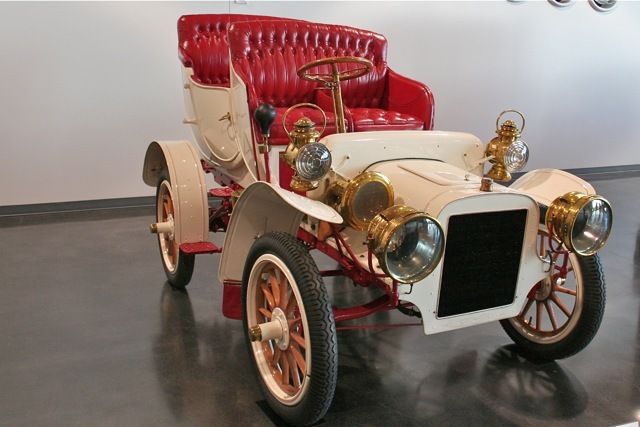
[(369, 200), (414, 249), (591, 227), (313, 161), (516, 156)]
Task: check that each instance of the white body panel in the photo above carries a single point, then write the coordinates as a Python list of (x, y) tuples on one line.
[(352, 153), (188, 186), (217, 139), (263, 208), (545, 185)]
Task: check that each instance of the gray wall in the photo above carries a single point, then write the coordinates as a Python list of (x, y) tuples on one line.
[(85, 86)]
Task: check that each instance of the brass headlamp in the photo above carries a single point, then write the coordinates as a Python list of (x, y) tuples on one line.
[(361, 199), (581, 222), (309, 159), (507, 152), (408, 243)]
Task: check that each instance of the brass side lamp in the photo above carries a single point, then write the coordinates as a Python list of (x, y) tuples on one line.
[(507, 152), (310, 159)]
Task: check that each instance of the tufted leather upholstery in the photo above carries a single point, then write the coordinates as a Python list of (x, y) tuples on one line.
[(370, 119), (204, 47), (266, 55)]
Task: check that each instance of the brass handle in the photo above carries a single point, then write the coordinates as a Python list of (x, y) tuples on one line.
[(509, 111), (303, 104)]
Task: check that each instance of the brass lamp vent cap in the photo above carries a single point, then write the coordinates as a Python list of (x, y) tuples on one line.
[(508, 128), (304, 123)]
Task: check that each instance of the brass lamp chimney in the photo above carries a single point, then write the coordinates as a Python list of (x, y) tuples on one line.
[(304, 132), (497, 148)]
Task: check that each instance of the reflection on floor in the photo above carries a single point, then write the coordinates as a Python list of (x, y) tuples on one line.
[(93, 336)]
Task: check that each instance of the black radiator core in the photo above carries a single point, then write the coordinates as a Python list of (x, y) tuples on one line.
[(481, 261)]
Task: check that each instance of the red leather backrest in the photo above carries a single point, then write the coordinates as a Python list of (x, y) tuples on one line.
[(266, 55), (203, 45)]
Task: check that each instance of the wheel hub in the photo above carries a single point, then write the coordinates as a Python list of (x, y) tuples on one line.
[(277, 330), (283, 341), (544, 289)]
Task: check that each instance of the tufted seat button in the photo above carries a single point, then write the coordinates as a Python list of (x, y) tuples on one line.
[(372, 119)]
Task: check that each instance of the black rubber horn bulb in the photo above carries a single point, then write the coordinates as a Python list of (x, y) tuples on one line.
[(265, 114)]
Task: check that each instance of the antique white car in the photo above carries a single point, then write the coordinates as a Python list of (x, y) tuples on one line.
[(317, 144)]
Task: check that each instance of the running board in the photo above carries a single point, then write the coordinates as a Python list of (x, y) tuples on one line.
[(199, 248)]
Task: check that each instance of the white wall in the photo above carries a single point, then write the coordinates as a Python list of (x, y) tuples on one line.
[(85, 86)]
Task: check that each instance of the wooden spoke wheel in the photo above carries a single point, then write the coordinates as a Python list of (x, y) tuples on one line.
[(289, 328), (562, 312), (178, 267)]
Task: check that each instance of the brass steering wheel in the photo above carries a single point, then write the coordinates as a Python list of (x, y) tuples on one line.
[(365, 66), (332, 80)]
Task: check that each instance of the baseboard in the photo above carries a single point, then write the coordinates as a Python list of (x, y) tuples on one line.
[(597, 173), (144, 205), (83, 205)]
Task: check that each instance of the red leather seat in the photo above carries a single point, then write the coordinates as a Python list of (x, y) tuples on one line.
[(370, 119), (203, 45), (266, 55)]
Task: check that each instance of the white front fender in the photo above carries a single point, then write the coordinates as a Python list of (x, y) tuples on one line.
[(544, 185), (262, 208)]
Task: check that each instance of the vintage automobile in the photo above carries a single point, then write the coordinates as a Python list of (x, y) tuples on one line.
[(317, 144)]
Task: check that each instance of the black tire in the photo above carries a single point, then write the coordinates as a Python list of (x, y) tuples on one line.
[(179, 275), (588, 322), (315, 399)]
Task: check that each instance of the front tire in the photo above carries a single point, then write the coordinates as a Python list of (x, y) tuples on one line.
[(297, 370), (178, 267), (561, 315)]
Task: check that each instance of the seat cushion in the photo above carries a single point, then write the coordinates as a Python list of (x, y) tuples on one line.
[(278, 134), (372, 119)]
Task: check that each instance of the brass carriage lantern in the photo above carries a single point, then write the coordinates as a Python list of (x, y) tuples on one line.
[(507, 152), (310, 159)]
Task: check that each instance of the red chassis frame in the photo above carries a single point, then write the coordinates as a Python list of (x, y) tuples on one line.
[(343, 255)]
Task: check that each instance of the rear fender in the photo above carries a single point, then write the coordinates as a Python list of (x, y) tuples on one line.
[(188, 188), (545, 185), (263, 208)]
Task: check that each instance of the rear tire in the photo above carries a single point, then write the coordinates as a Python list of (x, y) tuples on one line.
[(178, 266), (297, 371)]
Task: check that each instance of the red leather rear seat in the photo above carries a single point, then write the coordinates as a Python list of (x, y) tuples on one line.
[(203, 45)]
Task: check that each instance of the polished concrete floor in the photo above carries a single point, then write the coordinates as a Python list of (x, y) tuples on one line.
[(91, 336)]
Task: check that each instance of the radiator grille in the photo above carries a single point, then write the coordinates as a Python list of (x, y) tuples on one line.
[(481, 261)]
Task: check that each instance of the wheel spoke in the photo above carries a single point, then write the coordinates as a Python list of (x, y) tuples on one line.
[(293, 321), (284, 293), (285, 370), (298, 339), (291, 305), (276, 357), (266, 313), (166, 206), (552, 315), (558, 288), (526, 308), (553, 297), (539, 315), (299, 358), (275, 289), (295, 374), (267, 295)]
